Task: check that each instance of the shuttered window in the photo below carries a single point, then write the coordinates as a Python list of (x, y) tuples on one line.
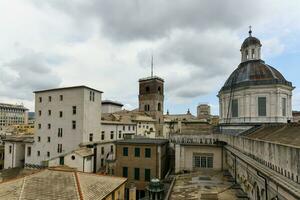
[(235, 108), (262, 106), (283, 104)]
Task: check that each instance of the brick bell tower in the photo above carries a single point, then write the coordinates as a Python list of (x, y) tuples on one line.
[(151, 99)]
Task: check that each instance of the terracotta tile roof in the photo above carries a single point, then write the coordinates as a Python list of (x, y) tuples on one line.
[(60, 184), (286, 134)]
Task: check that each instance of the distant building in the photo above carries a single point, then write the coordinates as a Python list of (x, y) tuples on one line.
[(111, 106), (140, 160), (296, 116), (66, 118), (151, 100), (12, 114), (64, 183), (203, 111)]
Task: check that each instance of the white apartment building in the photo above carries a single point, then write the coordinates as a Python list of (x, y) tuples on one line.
[(111, 132), (66, 118), (12, 114)]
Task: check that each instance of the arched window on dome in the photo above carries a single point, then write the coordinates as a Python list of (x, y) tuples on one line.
[(262, 106), (253, 53), (234, 108), (247, 55)]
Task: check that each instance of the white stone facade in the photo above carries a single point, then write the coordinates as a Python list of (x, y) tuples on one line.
[(248, 104), (65, 118)]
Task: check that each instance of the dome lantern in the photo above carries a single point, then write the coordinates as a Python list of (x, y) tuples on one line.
[(251, 48)]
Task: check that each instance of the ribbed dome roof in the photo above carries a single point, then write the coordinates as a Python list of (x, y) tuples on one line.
[(254, 72), (250, 41)]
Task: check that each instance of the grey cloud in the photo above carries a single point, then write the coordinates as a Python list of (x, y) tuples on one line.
[(140, 19), (21, 76), (204, 56)]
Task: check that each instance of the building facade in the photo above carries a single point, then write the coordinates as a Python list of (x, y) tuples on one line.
[(255, 92), (140, 160), (111, 106), (65, 119), (151, 100), (12, 114)]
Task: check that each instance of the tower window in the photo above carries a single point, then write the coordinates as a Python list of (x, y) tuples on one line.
[(159, 90), (247, 56), (262, 106), (253, 53), (147, 89), (159, 107)]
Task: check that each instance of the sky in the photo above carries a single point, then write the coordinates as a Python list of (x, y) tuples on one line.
[(107, 45)]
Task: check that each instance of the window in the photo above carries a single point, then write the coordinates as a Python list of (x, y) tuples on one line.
[(38, 153), (159, 90), (123, 128), (49, 112), (158, 106), (40, 113), (49, 126), (40, 99), (283, 104), (147, 152), (102, 135), (40, 126), (128, 128), (10, 148), (28, 151), (111, 136), (125, 171), (111, 148), (120, 135), (253, 53), (133, 128), (74, 110), (136, 173), (49, 98), (203, 160), (91, 137), (102, 162), (125, 151), (262, 103), (102, 150), (60, 114), (61, 97), (59, 148), (39, 138), (73, 124), (60, 132), (48, 154), (234, 108), (147, 174), (49, 139), (137, 152), (92, 96)]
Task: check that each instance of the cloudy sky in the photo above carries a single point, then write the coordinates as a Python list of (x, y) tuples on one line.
[(107, 44)]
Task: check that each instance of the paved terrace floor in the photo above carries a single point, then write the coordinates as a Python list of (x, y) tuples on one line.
[(191, 186)]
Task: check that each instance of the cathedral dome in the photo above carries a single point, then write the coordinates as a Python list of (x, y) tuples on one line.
[(250, 41), (254, 72)]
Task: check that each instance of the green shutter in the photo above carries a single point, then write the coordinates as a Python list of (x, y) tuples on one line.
[(137, 173), (262, 106), (147, 174)]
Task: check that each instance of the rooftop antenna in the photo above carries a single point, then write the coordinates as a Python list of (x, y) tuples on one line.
[(152, 65), (250, 31)]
